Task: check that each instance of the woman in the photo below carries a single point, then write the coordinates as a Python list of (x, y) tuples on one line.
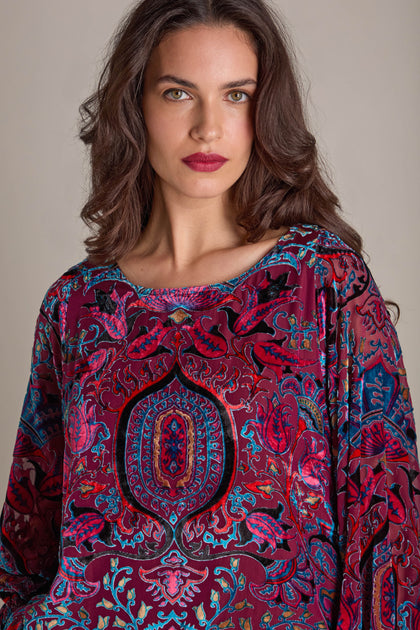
[(217, 431)]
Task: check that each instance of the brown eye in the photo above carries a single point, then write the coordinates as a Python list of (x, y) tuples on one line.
[(175, 94), (238, 97)]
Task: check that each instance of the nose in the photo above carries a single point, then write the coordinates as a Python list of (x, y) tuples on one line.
[(207, 124)]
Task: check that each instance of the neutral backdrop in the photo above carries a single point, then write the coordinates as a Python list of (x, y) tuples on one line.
[(360, 70)]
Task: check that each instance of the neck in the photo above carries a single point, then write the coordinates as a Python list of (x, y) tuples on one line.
[(183, 230)]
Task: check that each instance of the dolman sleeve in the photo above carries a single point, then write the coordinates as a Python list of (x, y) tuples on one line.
[(30, 521), (376, 463)]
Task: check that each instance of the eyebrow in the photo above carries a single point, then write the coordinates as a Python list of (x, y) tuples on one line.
[(170, 78)]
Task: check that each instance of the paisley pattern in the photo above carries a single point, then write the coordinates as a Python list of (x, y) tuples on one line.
[(240, 455)]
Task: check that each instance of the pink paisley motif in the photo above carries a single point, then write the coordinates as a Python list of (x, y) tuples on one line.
[(146, 344), (266, 529), (384, 613), (209, 343), (116, 323), (350, 609), (287, 581), (91, 364), (275, 425), (250, 317), (85, 528), (312, 465), (273, 354), (81, 428)]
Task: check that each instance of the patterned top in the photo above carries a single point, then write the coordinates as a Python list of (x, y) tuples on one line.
[(240, 455)]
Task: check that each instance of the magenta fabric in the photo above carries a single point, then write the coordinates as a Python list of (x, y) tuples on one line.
[(240, 455)]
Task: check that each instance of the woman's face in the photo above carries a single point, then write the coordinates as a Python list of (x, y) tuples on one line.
[(197, 107)]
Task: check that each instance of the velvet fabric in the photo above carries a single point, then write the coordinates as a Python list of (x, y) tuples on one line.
[(240, 455)]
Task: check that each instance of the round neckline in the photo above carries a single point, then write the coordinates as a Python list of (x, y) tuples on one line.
[(233, 282)]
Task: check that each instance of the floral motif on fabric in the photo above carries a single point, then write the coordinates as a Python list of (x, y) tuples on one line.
[(240, 455)]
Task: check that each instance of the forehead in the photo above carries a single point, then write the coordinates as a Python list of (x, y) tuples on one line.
[(216, 53)]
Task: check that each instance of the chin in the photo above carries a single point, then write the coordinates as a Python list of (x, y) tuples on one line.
[(205, 191)]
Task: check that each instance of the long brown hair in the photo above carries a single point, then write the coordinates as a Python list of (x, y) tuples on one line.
[(282, 183)]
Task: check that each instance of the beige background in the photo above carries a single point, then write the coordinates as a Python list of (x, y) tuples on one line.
[(360, 60)]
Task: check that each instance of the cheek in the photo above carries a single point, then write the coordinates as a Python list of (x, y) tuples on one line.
[(158, 146), (162, 135), (242, 133)]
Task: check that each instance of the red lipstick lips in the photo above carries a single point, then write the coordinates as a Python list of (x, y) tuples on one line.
[(204, 162)]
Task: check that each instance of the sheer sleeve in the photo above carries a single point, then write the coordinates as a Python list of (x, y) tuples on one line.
[(30, 521), (377, 471)]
